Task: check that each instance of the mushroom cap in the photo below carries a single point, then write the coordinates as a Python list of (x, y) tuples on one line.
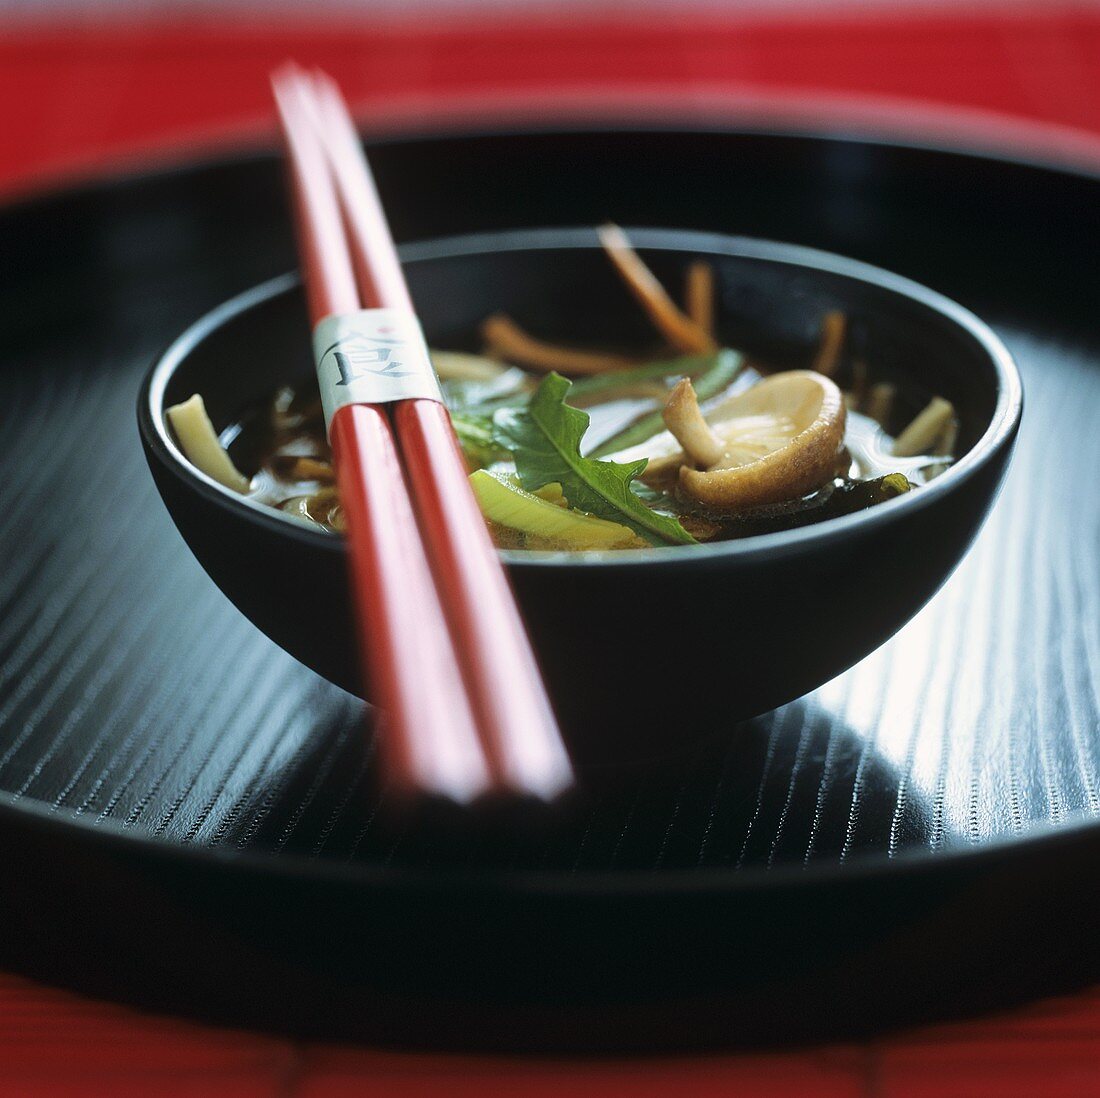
[(782, 439)]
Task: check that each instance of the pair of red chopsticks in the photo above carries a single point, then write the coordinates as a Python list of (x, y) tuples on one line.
[(464, 710)]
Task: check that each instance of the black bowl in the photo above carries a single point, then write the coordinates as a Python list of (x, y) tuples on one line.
[(643, 650)]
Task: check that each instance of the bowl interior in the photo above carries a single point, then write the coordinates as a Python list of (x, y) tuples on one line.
[(559, 285)]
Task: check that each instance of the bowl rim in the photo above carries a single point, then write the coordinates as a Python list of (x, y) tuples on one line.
[(1003, 422)]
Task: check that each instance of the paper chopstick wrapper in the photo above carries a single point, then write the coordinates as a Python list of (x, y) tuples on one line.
[(373, 356)]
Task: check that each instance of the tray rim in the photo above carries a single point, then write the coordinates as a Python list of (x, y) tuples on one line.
[(584, 883), (709, 880)]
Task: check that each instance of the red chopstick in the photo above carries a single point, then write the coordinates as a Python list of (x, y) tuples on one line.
[(513, 712), (428, 727)]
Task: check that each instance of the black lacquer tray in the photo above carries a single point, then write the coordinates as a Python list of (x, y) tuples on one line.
[(188, 818)]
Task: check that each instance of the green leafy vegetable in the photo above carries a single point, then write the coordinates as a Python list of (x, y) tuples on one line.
[(717, 376), (834, 499), (545, 524), (477, 438), (482, 395), (607, 384), (859, 494), (544, 439)]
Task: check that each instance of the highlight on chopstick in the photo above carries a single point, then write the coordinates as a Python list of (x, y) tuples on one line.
[(688, 443)]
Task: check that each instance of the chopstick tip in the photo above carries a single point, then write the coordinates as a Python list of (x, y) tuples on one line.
[(287, 78)]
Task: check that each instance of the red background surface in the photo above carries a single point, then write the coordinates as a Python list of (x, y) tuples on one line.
[(84, 101)]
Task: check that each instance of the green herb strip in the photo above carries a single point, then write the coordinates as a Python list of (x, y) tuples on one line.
[(606, 383), (720, 374)]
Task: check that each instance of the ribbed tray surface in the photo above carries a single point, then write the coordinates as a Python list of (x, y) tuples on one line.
[(131, 690)]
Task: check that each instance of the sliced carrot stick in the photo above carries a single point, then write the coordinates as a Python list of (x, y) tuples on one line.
[(678, 328), (506, 339), (307, 468), (834, 325), (699, 295)]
